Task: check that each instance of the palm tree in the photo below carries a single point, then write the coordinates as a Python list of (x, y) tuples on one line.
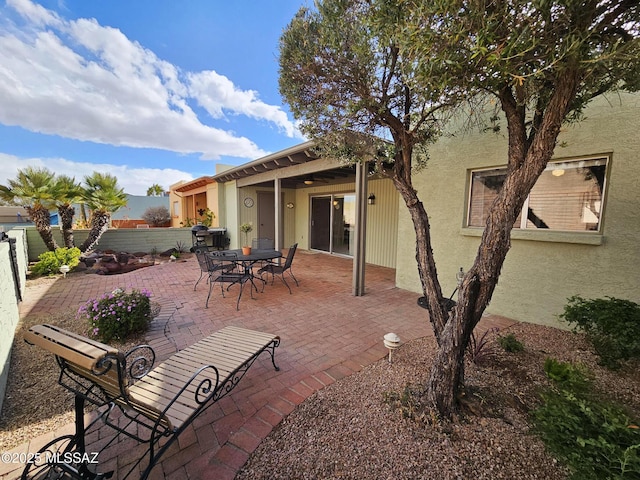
[(103, 197), (155, 190), (32, 189), (66, 192)]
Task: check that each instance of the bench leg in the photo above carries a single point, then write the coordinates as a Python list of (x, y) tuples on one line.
[(272, 351), (65, 457)]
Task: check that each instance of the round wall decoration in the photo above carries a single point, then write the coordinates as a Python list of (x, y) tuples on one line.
[(248, 202)]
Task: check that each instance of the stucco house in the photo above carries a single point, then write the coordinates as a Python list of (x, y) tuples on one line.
[(190, 200), (578, 234)]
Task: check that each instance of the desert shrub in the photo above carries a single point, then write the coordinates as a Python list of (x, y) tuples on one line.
[(49, 263), (595, 439), (510, 343), (612, 325), (117, 315), (157, 216)]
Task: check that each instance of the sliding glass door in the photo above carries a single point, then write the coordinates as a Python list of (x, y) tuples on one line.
[(332, 223)]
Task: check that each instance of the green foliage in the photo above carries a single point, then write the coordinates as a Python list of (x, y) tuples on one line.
[(103, 196), (180, 247), (31, 188), (155, 190), (246, 228), (595, 439), (510, 343), (342, 75), (118, 314), (157, 216), (49, 263), (206, 217), (101, 192), (525, 48), (612, 326), (567, 375), (188, 222)]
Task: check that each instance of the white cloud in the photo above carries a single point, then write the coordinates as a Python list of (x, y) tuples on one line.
[(84, 81), (134, 181), (37, 14), (216, 93)]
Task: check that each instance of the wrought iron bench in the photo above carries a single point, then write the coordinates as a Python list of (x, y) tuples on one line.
[(158, 403)]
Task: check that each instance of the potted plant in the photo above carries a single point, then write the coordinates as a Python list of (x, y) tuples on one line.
[(246, 228)]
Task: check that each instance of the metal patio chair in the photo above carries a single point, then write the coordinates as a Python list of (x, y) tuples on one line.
[(221, 267), (224, 268), (280, 269)]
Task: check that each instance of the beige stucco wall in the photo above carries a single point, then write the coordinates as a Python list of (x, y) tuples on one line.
[(9, 311), (541, 270), (250, 214), (231, 213)]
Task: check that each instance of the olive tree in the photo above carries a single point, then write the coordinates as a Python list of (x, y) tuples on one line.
[(393, 68)]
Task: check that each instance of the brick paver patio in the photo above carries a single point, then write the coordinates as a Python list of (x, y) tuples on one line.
[(326, 334)]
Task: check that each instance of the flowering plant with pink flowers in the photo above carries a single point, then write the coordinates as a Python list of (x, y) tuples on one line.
[(118, 314)]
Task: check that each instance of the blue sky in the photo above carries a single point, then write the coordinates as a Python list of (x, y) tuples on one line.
[(152, 91)]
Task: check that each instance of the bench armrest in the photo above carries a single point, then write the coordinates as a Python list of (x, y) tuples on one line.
[(139, 361)]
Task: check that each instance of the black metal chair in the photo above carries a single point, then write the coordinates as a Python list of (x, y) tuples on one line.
[(205, 266), (276, 269), (221, 267)]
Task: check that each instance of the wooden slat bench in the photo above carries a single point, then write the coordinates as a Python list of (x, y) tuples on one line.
[(163, 400)]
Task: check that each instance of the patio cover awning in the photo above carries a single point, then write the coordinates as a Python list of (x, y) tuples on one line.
[(288, 169)]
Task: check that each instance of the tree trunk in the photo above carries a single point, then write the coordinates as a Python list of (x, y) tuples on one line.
[(66, 213), (42, 222), (447, 373), (528, 157), (428, 273), (99, 225)]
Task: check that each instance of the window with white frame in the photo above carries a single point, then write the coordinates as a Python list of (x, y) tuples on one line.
[(568, 196)]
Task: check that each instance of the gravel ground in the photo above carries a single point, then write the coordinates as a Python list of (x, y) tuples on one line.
[(348, 430)]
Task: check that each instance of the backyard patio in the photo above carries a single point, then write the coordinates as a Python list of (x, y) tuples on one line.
[(326, 335)]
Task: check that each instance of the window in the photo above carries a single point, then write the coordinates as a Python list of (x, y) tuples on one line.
[(568, 196)]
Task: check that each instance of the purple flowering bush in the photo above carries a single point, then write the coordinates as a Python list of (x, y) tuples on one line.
[(118, 314)]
